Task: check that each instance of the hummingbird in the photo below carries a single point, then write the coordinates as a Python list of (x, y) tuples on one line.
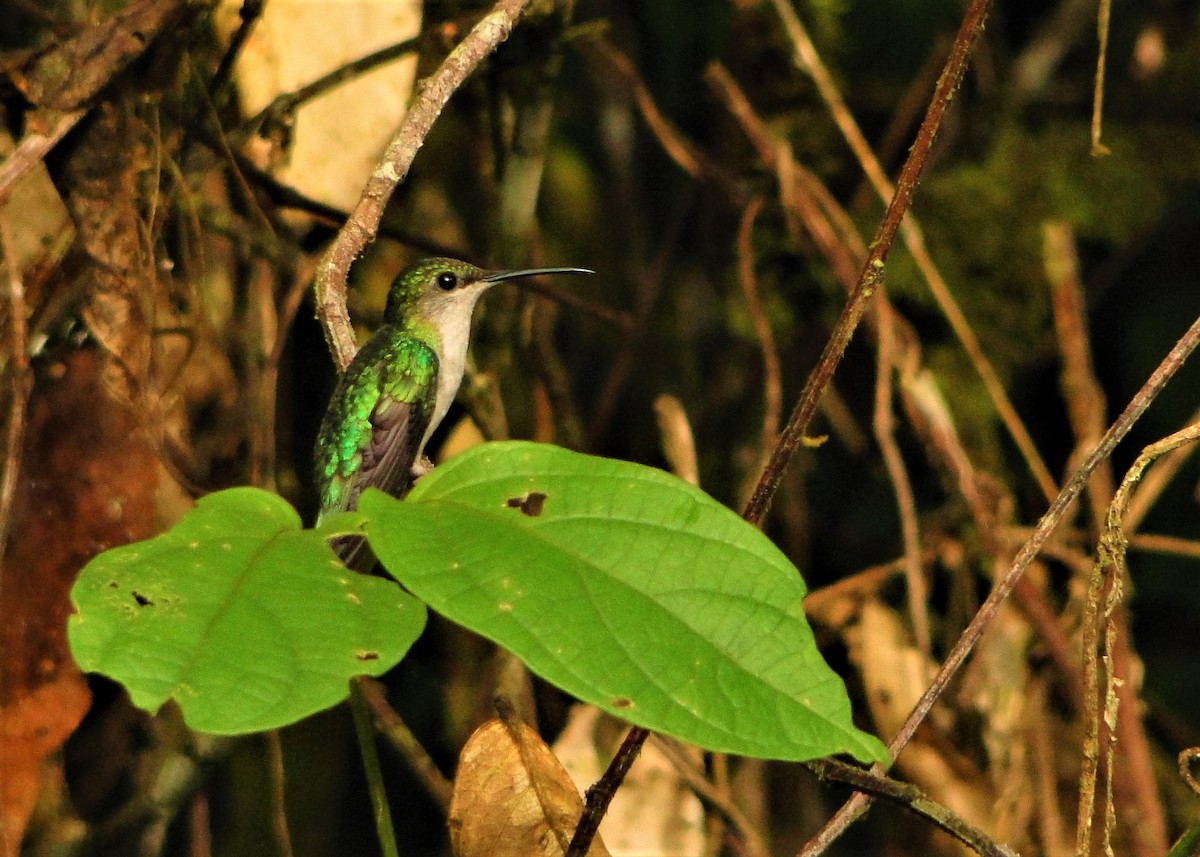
[(398, 388)]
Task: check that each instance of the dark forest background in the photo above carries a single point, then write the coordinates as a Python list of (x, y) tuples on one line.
[(158, 340)]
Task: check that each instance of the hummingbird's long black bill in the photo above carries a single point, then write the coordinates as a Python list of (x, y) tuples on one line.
[(497, 276)]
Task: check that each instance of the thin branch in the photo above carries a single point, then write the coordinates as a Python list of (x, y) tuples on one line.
[(1084, 395), (363, 225), (33, 147), (275, 771), (396, 732), (22, 381), (912, 799), (809, 60), (1029, 551), (772, 385), (600, 794), (870, 278), (249, 12), (1109, 574), (376, 787), (884, 425), (686, 154), (676, 438), (751, 841), (1134, 783), (1186, 759), (1151, 488), (1103, 16), (288, 102)]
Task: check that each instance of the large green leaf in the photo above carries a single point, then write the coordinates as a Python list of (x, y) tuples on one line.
[(626, 587), (246, 620)]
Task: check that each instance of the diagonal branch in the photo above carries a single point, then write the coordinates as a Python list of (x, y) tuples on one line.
[(361, 228)]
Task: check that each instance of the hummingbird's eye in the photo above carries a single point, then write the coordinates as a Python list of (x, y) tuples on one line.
[(447, 280)]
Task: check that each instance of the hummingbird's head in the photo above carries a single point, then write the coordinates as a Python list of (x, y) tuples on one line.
[(441, 289), (433, 288)]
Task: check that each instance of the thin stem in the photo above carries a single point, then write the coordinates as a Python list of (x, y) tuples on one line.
[(275, 769), (912, 799), (870, 278), (289, 101), (809, 60), (1170, 364), (396, 732), (365, 733), (1103, 16), (718, 799), (363, 225), (884, 425), (22, 383), (600, 795)]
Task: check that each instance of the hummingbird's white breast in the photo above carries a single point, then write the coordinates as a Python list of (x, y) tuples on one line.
[(451, 318)]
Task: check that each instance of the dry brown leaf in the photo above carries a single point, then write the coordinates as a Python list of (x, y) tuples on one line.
[(32, 726), (895, 674), (89, 480), (512, 798), (997, 685)]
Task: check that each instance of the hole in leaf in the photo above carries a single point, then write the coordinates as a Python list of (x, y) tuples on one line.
[(142, 600), (531, 504)]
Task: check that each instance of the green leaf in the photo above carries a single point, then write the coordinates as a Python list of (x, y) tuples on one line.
[(626, 587), (246, 620)]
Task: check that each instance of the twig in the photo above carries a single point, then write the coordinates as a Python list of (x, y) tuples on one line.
[(1054, 839), (870, 278), (752, 842), (1084, 395), (396, 732), (810, 61), (22, 382), (1186, 759), (279, 824), (1151, 488), (33, 147), (249, 13), (1134, 782), (1103, 16), (363, 224), (912, 799), (835, 234), (370, 757), (600, 794), (689, 157), (676, 438), (772, 385), (884, 425), (1029, 551), (1150, 831), (287, 102), (1056, 35), (1163, 544)]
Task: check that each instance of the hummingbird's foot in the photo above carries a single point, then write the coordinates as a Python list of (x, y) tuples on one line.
[(421, 467)]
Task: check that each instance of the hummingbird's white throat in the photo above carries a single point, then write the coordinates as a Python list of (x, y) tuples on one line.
[(450, 315)]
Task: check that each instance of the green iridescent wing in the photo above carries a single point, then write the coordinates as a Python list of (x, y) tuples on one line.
[(376, 419)]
